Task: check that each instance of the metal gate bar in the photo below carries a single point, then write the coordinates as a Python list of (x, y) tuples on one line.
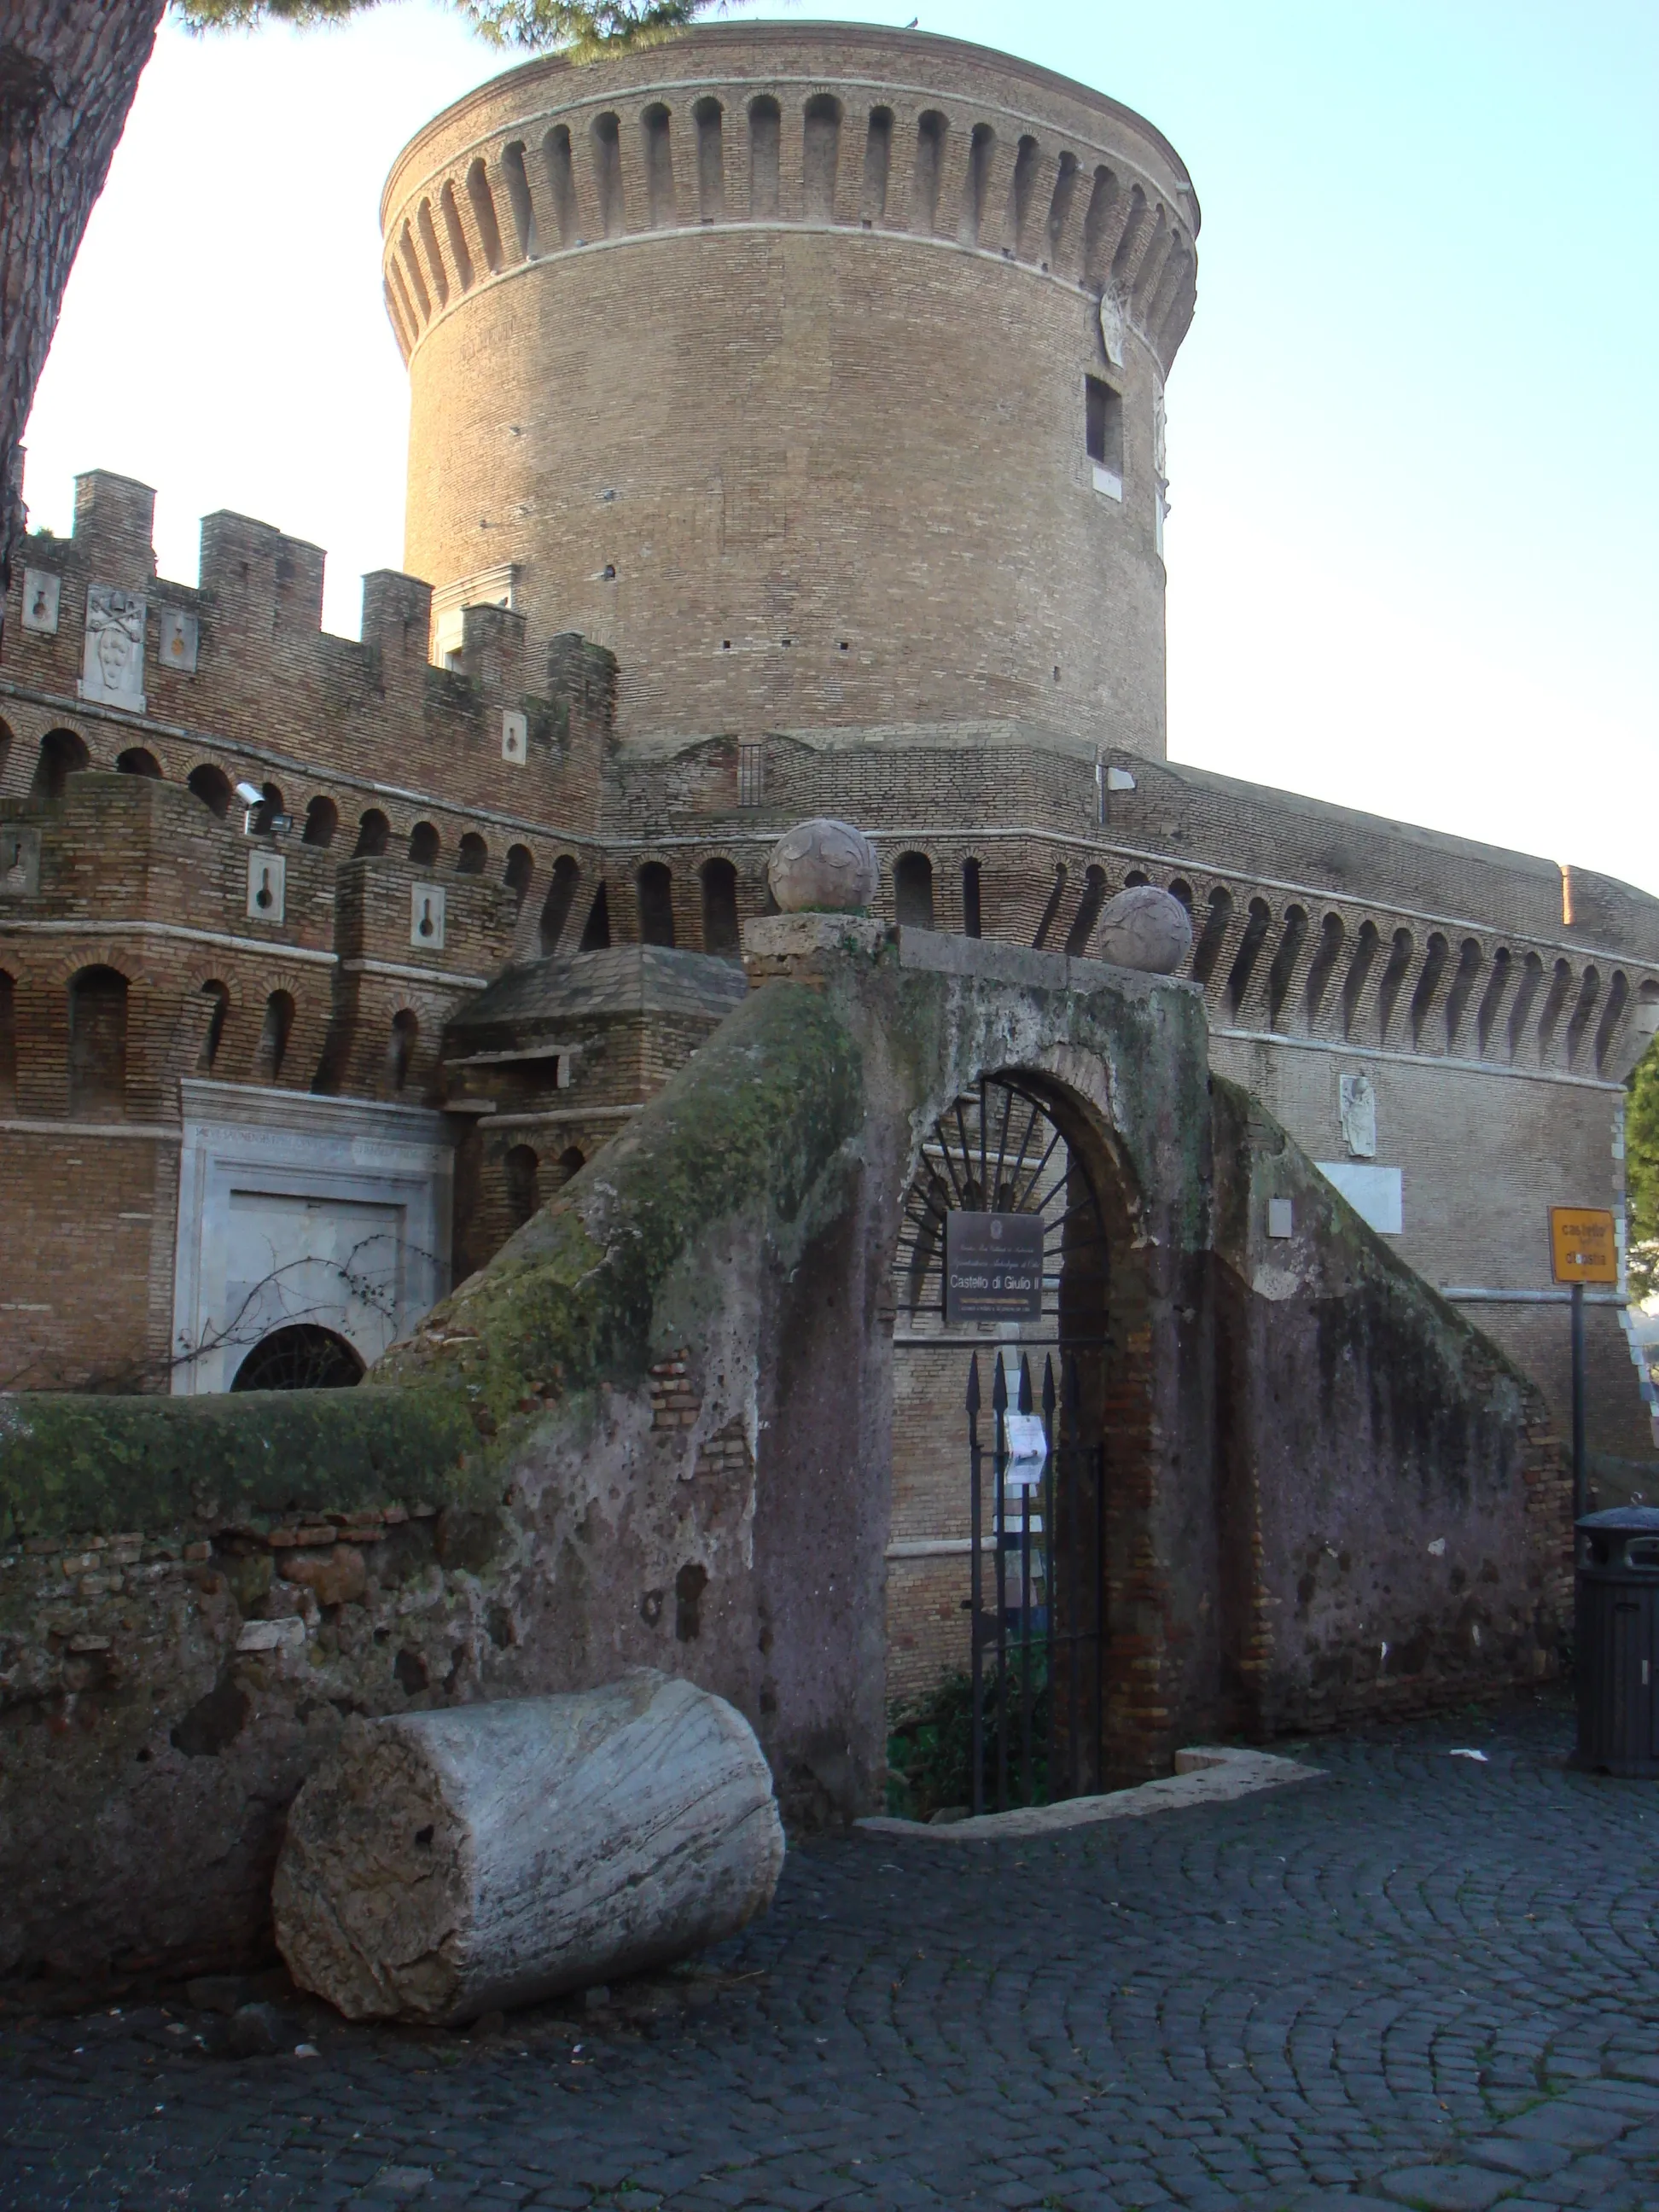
[(1064, 1551)]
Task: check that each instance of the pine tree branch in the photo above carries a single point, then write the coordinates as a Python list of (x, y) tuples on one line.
[(69, 69)]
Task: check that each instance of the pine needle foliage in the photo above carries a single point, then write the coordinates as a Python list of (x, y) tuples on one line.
[(580, 27)]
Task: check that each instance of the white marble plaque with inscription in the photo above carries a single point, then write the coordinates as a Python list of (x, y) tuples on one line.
[(19, 860), (113, 669), (179, 632), (426, 917), (267, 886), (41, 593), (1377, 1194)]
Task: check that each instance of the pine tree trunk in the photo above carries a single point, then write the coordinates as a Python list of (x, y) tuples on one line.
[(69, 69)]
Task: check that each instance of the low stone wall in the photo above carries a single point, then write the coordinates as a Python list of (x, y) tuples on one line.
[(165, 1694)]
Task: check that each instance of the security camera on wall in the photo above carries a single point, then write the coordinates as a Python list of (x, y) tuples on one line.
[(262, 819)]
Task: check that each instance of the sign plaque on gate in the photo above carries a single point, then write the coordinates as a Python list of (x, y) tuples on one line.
[(1027, 1451), (992, 1268)]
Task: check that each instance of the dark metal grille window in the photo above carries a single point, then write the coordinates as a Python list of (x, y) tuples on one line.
[(300, 1358), (752, 774)]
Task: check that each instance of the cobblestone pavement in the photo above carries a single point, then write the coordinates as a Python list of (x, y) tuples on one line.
[(1422, 1981)]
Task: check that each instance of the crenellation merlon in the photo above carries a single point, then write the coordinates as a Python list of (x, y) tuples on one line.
[(249, 567), (115, 527), (493, 644), (396, 625)]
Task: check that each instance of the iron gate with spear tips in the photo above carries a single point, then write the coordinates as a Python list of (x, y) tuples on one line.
[(1036, 1480)]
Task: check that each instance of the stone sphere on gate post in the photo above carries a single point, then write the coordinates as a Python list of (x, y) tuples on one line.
[(1145, 928), (823, 866)]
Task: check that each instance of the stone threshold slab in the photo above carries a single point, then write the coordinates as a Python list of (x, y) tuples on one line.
[(1206, 1774)]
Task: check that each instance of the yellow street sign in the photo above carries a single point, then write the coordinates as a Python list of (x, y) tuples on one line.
[(1583, 1247)]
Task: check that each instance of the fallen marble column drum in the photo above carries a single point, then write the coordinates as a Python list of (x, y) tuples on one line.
[(442, 1864)]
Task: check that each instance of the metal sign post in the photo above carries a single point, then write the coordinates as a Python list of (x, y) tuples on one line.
[(1582, 1250), (1580, 1474)]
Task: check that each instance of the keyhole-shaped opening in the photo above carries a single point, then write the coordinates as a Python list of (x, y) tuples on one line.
[(262, 897), (426, 918)]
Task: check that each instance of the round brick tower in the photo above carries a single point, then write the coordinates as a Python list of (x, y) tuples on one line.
[(818, 371)]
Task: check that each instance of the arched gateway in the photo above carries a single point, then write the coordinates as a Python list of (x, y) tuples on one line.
[(730, 1363), (1015, 1288)]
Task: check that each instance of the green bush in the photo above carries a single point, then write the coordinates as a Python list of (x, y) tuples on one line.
[(930, 1743)]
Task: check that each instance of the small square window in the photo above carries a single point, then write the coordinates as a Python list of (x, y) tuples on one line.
[(752, 774), (1103, 429)]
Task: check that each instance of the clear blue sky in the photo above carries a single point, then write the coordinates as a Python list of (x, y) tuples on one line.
[(1411, 558)]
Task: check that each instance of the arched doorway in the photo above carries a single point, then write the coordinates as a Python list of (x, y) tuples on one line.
[(1000, 1571)]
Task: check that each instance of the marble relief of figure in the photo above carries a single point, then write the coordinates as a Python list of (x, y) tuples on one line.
[(1112, 324), (1357, 1107)]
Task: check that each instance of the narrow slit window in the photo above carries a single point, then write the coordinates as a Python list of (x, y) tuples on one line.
[(483, 213), (981, 154), (1104, 414), (752, 775)]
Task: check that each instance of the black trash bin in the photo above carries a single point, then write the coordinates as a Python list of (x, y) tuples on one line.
[(1618, 1625)]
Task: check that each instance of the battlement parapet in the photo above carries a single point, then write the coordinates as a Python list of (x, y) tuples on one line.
[(132, 851), (243, 656), (794, 125)]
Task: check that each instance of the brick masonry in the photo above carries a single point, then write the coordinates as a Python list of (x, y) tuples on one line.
[(827, 596)]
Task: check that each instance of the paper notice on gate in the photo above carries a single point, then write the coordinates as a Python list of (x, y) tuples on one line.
[(1028, 1447)]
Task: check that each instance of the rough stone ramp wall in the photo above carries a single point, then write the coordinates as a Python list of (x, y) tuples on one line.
[(1399, 1507)]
